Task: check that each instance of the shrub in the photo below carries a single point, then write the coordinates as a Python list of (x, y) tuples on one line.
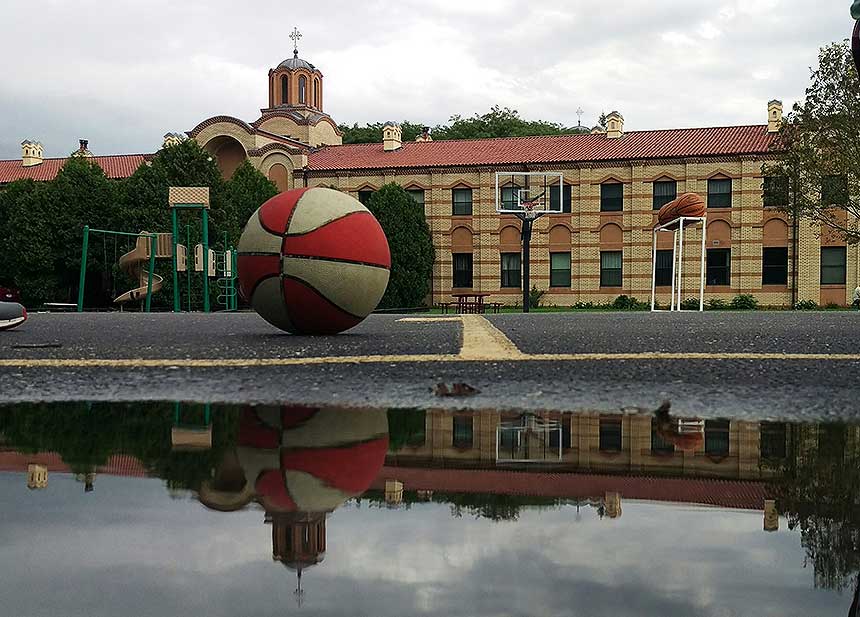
[(534, 296), (690, 304), (628, 303), (744, 302), (831, 306), (806, 305), (583, 305), (716, 304)]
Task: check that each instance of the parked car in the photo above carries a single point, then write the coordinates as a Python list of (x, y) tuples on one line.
[(9, 294)]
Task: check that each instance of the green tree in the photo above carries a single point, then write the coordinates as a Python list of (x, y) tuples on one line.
[(372, 133), (410, 244), (27, 252), (819, 146), (247, 190), (499, 122)]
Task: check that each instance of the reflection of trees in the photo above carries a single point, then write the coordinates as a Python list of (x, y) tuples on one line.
[(819, 493), (479, 505), (406, 427), (86, 435)]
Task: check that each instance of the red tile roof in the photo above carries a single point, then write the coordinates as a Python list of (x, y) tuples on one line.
[(115, 166), (742, 494), (672, 143)]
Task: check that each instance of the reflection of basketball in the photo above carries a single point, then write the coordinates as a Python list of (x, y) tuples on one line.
[(687, 204), (313, 261)]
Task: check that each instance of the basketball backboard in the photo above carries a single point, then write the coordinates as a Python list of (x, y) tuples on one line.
[(530, 193), (529, 439)]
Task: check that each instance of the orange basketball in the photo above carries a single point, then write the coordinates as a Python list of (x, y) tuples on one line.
[(687, 204)]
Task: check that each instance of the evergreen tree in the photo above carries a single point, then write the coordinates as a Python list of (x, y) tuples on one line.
[(247, 190), (410, 244)]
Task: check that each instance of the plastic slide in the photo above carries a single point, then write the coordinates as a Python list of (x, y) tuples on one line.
[(132, 263)]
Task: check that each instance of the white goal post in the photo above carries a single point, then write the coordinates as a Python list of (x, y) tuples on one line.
[(677, 229)]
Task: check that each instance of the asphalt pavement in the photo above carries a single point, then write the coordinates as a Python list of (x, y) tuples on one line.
[(792, 365)]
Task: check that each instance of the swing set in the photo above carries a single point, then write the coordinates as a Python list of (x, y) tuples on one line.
[(150, 246)]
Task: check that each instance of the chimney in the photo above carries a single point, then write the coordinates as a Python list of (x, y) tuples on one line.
[(425, 135), (31, 153), (614, 125), (391, 136), (82, 149), (774, 116)]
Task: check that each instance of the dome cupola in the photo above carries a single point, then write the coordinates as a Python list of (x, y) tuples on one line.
[(296, 82)]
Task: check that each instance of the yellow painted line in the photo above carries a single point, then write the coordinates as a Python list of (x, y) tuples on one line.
[(483, 341), (405, 358), (427, 319)]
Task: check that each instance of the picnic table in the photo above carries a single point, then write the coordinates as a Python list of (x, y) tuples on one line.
[(471, 301)]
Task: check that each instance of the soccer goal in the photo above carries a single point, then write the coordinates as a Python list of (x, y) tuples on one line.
[(679, 228), (529, 439)]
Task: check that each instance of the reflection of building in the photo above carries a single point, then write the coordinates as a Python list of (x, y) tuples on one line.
[(603, 443)]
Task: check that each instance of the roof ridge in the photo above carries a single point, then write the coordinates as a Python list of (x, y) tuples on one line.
[(559, 136), (68, 156)]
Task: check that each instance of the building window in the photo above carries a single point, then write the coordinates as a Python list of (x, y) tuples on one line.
[(834, 190), (833, 265), (316, 93), (553, 198), (510, 197), (462, 200), (285, 90), (719, 267), (610, 269), (611, 197), (772, 440), (775, 193), (664, 192), (663, 268), (717, 437), (511, 270), (774, 265), (303, 86), (463, 431), (610, 435), (559, 269), (658, 444), (462, 269), (720, 193), (417, 196), (365, 195), (565, 434)]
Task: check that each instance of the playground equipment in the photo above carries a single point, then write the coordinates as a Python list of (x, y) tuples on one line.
[(139, 262), (132, 263)]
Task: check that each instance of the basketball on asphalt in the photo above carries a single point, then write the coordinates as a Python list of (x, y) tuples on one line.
[(313, 261)]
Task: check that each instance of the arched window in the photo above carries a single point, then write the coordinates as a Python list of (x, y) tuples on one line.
[(316, 93), (285, 89), (303, 86)]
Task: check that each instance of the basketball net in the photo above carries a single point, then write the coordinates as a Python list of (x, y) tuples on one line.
[(529, 209)]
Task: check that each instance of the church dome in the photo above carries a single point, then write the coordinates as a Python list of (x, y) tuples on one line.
[(296, 63)]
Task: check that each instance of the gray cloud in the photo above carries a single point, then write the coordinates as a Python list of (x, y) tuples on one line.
[(123, 73), (128, 548)]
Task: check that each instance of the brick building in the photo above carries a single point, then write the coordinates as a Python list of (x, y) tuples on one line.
[(597, 248)]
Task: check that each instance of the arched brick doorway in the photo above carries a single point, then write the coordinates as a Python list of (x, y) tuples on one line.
[(278, 175), (228, 153)]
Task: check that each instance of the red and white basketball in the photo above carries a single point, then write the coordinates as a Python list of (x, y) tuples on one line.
[(313, 261)]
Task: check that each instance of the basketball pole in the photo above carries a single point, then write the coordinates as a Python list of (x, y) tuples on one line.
[(527, 237)]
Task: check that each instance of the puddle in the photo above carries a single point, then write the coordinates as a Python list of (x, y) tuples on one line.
[(171, 508)]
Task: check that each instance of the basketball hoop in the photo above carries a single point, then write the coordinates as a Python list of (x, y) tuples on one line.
[(529, 209)]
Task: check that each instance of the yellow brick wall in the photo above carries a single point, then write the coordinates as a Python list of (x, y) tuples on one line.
[(746, 218)]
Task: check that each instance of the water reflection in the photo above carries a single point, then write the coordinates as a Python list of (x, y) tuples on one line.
[(298, 465)]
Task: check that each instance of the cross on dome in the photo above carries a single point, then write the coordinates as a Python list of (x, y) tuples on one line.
[(295, 36)]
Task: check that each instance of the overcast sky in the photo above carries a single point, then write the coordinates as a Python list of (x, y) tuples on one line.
[(123, 72)]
